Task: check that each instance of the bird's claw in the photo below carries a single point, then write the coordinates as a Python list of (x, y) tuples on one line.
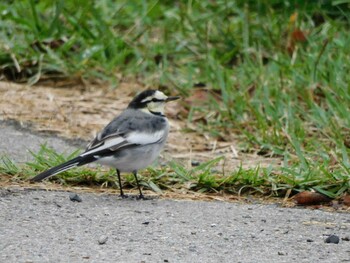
[(137, 197), (123, 196)]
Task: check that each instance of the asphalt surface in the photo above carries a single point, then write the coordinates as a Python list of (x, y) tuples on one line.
[(47, 226)]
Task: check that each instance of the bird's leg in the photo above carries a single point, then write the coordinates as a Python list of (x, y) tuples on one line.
[(122, 195), (138, 185)]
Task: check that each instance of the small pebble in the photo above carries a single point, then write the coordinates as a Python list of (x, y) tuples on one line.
[(74, 197), (195, 163), (145, 223), (102, 240), (192, 248), (345, 238), (57, 204), (333, 239), (309, 240)]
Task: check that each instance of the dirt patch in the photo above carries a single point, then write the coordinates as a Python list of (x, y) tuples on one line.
[(81, 111)]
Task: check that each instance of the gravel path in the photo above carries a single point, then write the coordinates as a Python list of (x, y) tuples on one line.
[(45, 226)]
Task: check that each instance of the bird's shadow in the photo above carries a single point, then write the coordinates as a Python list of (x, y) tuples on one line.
[(137, 197)]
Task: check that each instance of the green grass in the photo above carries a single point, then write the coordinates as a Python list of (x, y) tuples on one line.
[(204, 178), (280, 94)]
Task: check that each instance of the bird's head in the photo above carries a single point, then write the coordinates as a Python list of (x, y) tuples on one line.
[(151, 101)]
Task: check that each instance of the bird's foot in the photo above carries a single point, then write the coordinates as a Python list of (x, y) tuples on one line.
[(137, 197), (141, 197), (123, 196)]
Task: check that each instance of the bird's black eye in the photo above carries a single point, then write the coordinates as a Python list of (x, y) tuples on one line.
[(155, 100)]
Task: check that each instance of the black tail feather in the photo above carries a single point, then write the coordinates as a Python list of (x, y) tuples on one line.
[(77, 161)]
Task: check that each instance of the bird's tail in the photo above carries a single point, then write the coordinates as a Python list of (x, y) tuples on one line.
[(77, 161)]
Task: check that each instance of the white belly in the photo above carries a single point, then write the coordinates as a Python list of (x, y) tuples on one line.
[(133, 159)]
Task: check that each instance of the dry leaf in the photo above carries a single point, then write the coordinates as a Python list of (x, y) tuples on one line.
[(346, 200), (310, 198), (298, 36), (293, 18)]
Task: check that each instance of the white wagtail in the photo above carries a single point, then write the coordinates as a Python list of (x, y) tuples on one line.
[(130, 142)]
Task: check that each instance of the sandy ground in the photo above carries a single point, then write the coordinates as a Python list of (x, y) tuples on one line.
[(79, 112)]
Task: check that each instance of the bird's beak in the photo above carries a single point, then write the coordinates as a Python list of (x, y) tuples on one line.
[(171, 98)]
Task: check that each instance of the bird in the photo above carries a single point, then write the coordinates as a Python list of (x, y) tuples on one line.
[(130, 142)]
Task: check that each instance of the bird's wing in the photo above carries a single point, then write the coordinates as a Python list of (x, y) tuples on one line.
[(113, 142), (129, 128)]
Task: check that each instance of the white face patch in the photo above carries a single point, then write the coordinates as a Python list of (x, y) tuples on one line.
[(158, 95), (155, 103), (155, 107)]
